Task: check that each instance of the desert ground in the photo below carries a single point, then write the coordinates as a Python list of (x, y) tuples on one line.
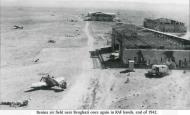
[(89, 86)]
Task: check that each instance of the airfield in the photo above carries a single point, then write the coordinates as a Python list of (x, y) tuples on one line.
[(89, 86)]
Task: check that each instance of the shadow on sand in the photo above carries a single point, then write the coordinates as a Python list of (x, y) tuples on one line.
[(114, 63), (154, 76), (45, 88), (127, 71)]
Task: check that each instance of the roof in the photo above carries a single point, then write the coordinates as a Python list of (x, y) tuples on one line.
[(165, 66), (131, 28), (185, 41), (132, 61), (142, 38), (101, 13), (127, 29), (164, 20)]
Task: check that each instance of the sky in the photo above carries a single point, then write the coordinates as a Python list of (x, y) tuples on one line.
[(61, 2), (178, 6)]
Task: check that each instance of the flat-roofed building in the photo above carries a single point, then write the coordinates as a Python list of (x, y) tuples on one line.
[(100, 16)]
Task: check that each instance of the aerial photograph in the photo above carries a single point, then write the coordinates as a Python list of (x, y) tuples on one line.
[(94, 54)]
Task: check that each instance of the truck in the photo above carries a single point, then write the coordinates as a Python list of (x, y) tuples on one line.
[(158, 71)]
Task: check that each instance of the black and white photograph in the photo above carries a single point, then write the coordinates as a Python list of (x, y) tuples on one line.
[(95, 55)]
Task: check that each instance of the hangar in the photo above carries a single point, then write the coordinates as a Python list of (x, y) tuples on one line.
[(147, 46)]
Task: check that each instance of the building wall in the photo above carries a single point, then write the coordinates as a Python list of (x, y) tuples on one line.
[(116, 39), (180, 57), (102, 18)]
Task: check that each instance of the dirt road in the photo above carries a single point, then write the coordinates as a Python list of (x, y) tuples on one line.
[(73, 98), (90, 37), (77, 95), (92, 87)]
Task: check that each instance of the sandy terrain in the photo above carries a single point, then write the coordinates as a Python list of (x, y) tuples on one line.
[(170, 92), (69, 57), (20, 48)]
